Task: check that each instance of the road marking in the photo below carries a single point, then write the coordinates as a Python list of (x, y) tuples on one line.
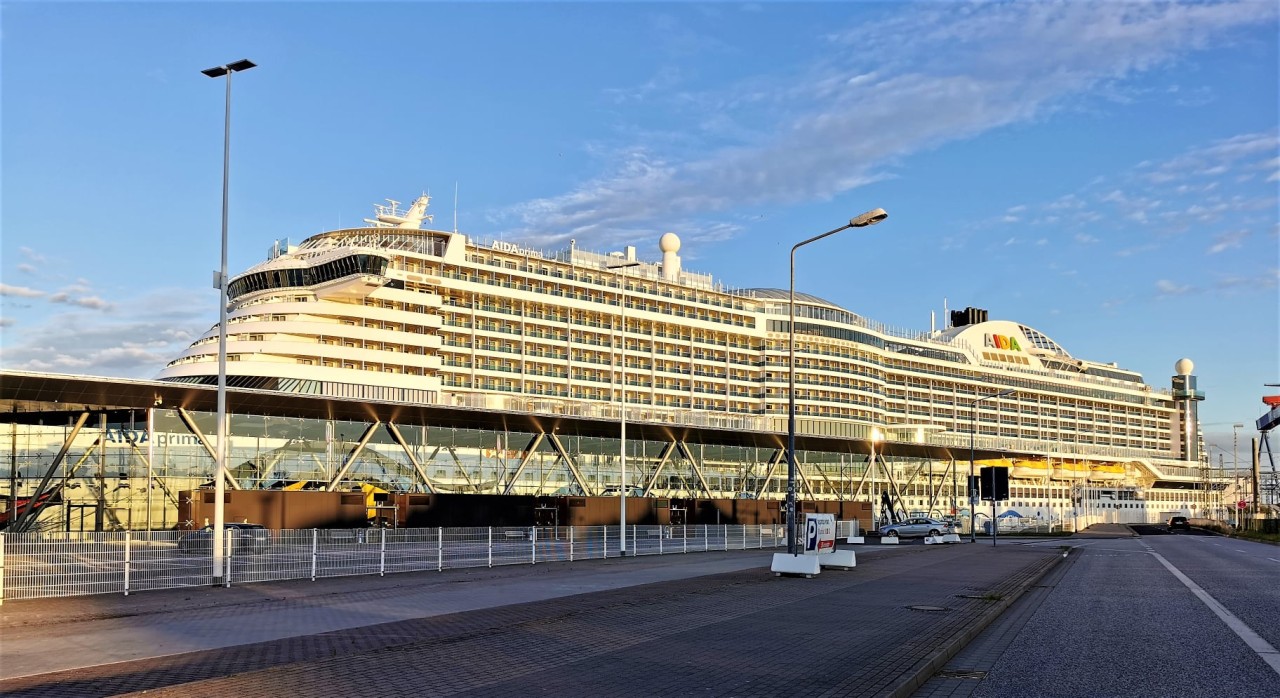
[(1255, 642), (1273, 559)]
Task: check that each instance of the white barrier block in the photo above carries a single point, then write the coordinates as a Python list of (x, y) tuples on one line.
[(933, 540), (857, 540), (785, 563), (951, 538), (843, 559), (888, 540)]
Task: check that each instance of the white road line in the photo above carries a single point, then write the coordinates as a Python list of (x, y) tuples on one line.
[(1255, 642), (1273, 559)]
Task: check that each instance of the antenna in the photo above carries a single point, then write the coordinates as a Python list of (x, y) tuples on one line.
[(455, 207)]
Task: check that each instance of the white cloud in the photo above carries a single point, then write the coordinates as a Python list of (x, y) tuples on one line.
[(75, 339), (93, 302), (1267, 279), (984, 66), (1164, 287), (1227, 241), (1249, 151), (20, 291), (1137, 250), (32, 255), (665, 79)]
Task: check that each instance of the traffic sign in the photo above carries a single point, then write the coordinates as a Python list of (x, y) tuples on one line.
[(1242, 504)]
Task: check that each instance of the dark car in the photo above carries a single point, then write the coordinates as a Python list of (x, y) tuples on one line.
[(1177, 523), (245, 538)]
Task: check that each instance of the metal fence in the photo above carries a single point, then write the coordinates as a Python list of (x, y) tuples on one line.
[(44, 564)]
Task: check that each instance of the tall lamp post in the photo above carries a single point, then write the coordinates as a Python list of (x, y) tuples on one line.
[(219, 480), (622, 422), (973, 491), (1235, 467), (869, 218)]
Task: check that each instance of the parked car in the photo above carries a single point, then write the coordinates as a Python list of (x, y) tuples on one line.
[(916, 527), (245, 538), (1179, 523)]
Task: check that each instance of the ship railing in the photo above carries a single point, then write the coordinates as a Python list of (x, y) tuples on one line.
[(958, 442), (1052, 449)]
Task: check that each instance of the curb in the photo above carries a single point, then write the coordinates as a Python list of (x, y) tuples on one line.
[(926, 668)]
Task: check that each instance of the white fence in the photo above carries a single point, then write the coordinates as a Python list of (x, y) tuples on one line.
[(42, 565)]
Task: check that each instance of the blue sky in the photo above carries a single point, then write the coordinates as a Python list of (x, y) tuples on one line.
[(1106, 172)]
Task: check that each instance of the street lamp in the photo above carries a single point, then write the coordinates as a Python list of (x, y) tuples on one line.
[(1235, 464), (622, 422), (219, 486), (869, 218), (973, 491)]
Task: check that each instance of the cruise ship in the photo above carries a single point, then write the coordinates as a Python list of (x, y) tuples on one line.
[(395, 312)]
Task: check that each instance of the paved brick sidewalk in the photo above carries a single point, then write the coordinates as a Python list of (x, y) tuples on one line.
[(741, 633)]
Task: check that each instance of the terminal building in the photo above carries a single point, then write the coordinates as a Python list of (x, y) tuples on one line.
[(391, 364)]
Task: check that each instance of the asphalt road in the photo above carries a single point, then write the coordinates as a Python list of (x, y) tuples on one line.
[(1119, 620)]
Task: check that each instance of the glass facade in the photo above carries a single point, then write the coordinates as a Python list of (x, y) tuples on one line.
[(110, 462)]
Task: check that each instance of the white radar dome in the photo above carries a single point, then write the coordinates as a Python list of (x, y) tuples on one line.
[(669, 242), (1184, 367)]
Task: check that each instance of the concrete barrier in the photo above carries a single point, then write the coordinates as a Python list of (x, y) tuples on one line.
[(841, 559), (785, 563)]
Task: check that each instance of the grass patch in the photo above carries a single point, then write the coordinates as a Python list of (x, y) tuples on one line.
[(1258, 536)]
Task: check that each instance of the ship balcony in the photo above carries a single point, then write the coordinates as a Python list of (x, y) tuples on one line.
[(430, 300), (349, 288)]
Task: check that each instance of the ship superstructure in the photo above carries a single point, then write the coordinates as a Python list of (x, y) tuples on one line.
[(395, 312)]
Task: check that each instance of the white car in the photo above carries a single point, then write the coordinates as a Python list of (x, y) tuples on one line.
[(916, 527)]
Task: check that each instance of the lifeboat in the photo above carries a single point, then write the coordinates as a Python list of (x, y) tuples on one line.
[(1070, 471), (1108, 472), (1029, 469), (993, 463)]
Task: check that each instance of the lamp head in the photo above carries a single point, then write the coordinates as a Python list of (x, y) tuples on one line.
[(220, 70), (869, 218)]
